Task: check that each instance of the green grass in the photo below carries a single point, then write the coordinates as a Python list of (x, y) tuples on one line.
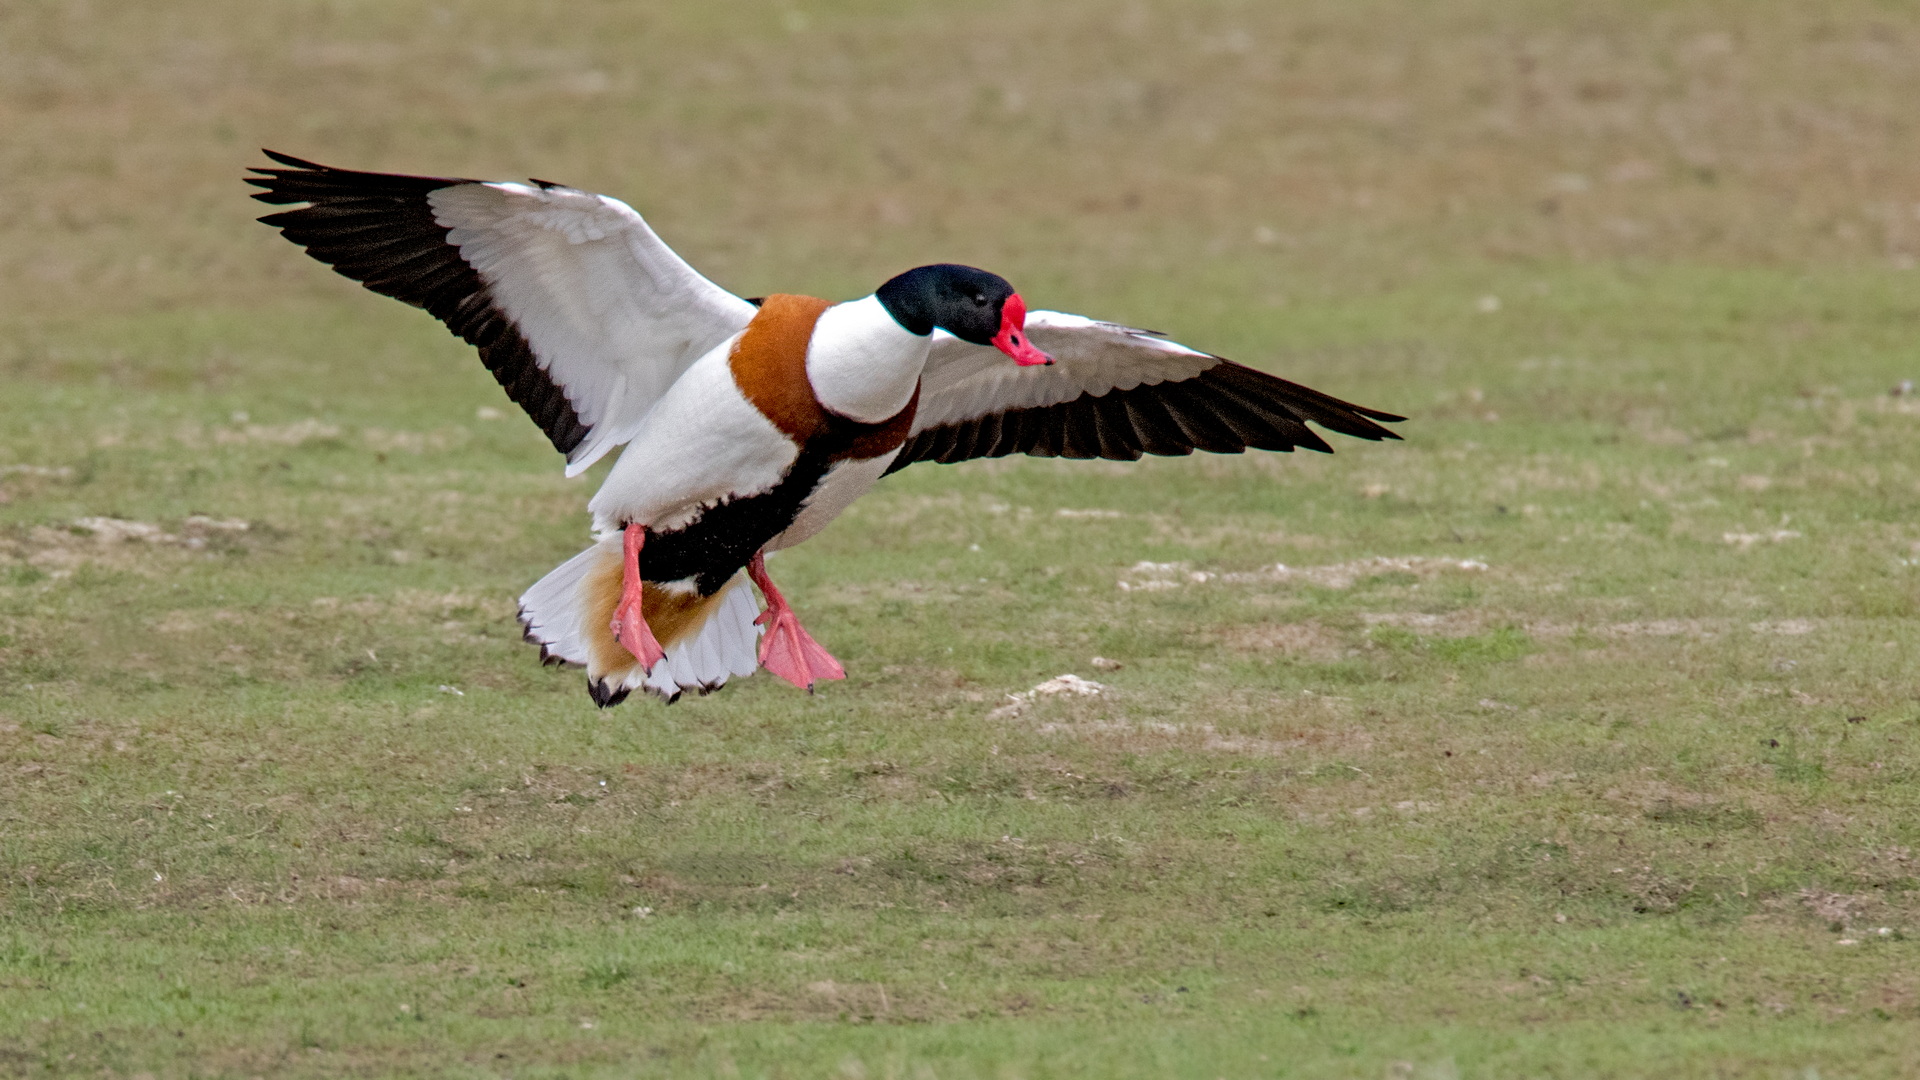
[(1608, 769)]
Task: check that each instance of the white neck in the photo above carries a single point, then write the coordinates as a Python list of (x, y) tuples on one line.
[(862, 364)]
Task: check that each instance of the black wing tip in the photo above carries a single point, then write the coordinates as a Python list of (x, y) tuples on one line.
[(1311, 440), (311, 182), (1376, 414), (276, 181), (298, 163), (273, 179), (1370, 433), (1362, 426), (296, 168), (1308, 404)]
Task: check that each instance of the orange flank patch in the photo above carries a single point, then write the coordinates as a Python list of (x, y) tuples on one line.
[(769, 364), (672, 614)]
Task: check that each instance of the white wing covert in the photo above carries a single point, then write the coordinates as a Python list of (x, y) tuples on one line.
[(577, 307)]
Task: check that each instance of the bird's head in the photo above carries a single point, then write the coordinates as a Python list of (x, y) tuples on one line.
[(970, 304)]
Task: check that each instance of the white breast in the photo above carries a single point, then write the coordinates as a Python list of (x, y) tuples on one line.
[(701, 443), (862, 364)]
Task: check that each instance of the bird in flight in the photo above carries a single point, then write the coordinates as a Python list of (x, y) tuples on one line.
[(750, 424)]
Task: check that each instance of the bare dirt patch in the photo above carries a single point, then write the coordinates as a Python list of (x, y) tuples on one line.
[(1153, 736), (1305, 640), (388, 441), (118, 543), (297, 433), (1463, 623), (1159, 576)]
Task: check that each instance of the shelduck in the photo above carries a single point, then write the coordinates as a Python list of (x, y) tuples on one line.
[(750, 424)]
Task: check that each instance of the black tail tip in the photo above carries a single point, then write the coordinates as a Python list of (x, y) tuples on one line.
[(604, 695)]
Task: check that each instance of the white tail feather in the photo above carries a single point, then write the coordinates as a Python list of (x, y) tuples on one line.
[(727, 644), (550, 611), (566, 613)]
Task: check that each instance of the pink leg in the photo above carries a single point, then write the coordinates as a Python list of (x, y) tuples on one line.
[(788, 650), (629, 626)]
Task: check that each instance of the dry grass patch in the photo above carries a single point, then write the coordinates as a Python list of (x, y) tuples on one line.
[(122, 545), (1160, 576), (1306, 641)]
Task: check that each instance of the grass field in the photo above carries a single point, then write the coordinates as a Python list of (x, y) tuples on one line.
[(1577, 736)]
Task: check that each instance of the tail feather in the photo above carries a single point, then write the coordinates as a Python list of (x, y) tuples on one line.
[(707, 639), (725, 645), (549, 614)]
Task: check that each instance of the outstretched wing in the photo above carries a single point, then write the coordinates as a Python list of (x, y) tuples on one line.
[(577, 307), (1113, 392)]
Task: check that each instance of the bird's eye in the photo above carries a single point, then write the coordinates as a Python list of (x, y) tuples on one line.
[(979, 300)]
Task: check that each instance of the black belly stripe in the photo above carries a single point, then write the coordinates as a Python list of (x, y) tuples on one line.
[(711, 549)]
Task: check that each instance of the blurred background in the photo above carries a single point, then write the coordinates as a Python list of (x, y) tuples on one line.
[(1579, 731), (1265, 154)]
